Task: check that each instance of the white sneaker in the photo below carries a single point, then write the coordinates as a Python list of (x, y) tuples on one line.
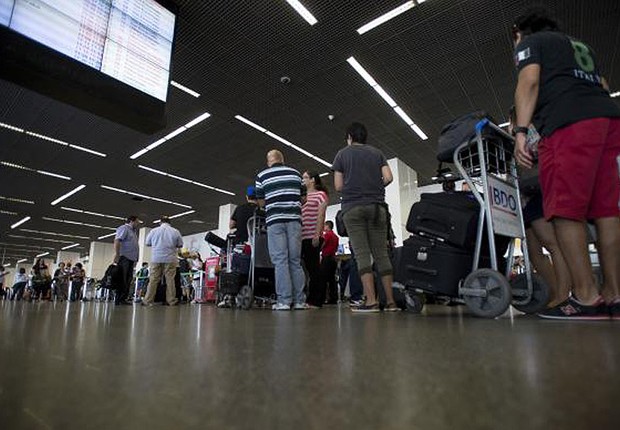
[(301, 306), (280, 307)]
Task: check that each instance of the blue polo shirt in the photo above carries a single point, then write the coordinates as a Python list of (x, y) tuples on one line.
[(128, 238)]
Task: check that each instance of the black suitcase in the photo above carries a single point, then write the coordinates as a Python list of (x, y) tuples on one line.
[(449, 217), (432, 266)]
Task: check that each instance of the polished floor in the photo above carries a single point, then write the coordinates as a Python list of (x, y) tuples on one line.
[(95, 366)]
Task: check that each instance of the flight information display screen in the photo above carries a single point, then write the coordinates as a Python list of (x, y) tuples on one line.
[(129, 40)]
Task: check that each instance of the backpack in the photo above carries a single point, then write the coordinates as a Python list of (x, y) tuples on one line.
[(458, 131), (112, 278)]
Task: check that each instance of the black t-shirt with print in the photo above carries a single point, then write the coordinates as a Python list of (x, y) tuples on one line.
[(570, 81)]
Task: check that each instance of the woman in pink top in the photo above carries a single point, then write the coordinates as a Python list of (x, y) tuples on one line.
[(313, 218)]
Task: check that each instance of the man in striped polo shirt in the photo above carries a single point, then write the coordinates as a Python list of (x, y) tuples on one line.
[(279, 189)]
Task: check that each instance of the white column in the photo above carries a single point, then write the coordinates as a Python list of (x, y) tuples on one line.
[(226, 212), (400, 195), (100, 257), (145, 251)]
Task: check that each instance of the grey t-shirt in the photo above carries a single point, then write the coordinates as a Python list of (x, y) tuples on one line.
[(363, 181)]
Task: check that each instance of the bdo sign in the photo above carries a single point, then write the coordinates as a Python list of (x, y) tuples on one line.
[(504, 208)]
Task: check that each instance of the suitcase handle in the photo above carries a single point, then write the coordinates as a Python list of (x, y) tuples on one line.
[(434, 233), (411, 268)]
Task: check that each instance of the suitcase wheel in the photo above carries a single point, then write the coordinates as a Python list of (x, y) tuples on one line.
[(526, 302), (414, 302), (486, 293)]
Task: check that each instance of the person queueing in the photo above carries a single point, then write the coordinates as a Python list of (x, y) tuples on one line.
[(241, 215), (279, 189), (142, 279), (126, 254), (361, 174), (329, 263), (313, 218), (561, 90), (21, 280)]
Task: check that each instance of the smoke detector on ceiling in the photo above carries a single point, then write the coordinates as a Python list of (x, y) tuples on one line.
[(285, 80)]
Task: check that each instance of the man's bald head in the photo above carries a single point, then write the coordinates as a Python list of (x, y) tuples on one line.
[(273, 157)]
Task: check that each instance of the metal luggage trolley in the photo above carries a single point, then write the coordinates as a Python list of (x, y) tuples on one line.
[(259, 259), (486, 161)]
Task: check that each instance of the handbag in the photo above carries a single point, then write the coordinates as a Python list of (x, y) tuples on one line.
[(341, 228)]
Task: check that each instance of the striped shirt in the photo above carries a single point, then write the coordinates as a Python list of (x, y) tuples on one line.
[(281, 187), (310, 213)]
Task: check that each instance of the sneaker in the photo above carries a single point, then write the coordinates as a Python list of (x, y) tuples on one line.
[(302, 307), (366, 309), (223, 304), (356, 303), (280, 307), (614, 310), (392, 308), (571, 309)]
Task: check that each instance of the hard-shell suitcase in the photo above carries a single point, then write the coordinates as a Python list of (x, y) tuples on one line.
[(432, 266)]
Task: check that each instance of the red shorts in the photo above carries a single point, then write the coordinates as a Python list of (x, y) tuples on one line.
[(579, 174)]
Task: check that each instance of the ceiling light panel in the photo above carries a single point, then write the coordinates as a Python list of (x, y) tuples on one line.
[(144, 196), (16, 200), (614, 95), (42, 255), (282, 140), (385, 96), (388, 16), (69, 194), (20, 222), (3, 212), (51, 139), (106, 236), (303, 11), (64, 248), (92, 213), (67, 221), (189, 181), (185, 89), (29, 169), (42, 239), (23, 260), (21, 245), (171, 135), (51, 233), (176, 216)]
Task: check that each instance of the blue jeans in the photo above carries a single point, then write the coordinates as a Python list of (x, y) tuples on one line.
[(284, 240)]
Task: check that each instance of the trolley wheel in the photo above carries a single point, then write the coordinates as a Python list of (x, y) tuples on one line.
[(540, 293), (486, 293), (414, 302), (245, 298)]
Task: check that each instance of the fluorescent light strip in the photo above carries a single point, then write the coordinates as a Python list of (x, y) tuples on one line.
[(69, 194), (51, 233), (21, 245), (23, 260), (43, 239), (387, 16), (322, 175), (51, 139), (93, 213), (67, 221), (189, 181), (614, 95), (28, 169), (385, 96), (184, 88), (301, 10), (20, 222), (282, 140), (16, 200), (169, 136), (42, 255), (106, 235), (64, 248), (504, 124), (176, 216), (144, 196), (7, 212)]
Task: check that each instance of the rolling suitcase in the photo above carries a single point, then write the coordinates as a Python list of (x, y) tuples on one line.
[(432, 266)]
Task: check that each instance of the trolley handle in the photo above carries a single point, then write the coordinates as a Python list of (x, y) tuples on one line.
[(486, 123)]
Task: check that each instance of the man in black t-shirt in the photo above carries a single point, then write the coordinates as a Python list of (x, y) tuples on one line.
[(562, 91), (242, 214)]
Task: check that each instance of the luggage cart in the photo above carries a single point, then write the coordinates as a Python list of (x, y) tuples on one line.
[(488, 167)]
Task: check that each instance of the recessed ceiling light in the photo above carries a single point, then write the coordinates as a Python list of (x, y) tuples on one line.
[(387, 16), (157, 199), (184, 88), (67, 221), (301, 10), (69, 194), (20, 222), (43, 239), (282, 140), (92, 213), (169, 136), (16, 200), (11, 127), (106, 235), (176, 216), (42, 255), (322, 175), (64, 248), (51, 233), (189, 181), (389, 100), (28, 169)]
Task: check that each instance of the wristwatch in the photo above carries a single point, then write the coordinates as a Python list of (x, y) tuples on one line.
[(517, 130)]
